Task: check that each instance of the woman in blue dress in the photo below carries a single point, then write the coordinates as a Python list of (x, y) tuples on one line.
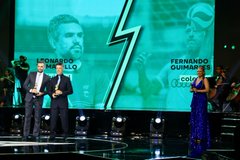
[(199, 126)]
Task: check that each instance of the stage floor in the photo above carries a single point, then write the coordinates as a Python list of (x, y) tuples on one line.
[(105, 147)]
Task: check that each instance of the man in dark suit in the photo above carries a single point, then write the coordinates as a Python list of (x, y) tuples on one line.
[(59, 89), (36, 85)]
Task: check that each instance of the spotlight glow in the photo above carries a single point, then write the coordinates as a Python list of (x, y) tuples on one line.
[(158, 120), (16, 116), (47, 117), (82, 118), (119, 119), (157, 153)]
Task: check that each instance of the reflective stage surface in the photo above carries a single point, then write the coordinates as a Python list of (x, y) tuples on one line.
[(104, 147)]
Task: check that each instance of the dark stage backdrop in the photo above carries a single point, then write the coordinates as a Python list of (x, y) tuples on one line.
[(4, 34)]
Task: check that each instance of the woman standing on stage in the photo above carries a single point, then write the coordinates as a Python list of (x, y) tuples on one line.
[(199, 125)]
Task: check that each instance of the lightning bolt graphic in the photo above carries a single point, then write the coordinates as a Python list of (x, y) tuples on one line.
[(129, 36)]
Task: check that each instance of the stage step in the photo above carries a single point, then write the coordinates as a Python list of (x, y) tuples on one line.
[(229, 124), (228, 128)]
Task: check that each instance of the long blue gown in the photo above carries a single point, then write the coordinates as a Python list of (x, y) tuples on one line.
[(199, 125)]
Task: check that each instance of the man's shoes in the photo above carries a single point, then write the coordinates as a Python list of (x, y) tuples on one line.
[(26, 138), (65, 138), (36, 138), (51, 138)]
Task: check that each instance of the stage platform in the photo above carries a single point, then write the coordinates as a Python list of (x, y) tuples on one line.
[(135, 144), (104, 147)]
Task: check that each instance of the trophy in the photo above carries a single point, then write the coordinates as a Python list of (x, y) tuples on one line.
[(35, 87), (56, 88)]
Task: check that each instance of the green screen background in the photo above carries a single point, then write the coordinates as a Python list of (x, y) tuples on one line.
[(162, 36)]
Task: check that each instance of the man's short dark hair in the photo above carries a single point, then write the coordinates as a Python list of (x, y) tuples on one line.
[(41, 62), (8, 70), (220, 66), (23, 57), (59, 64), (56, 21)]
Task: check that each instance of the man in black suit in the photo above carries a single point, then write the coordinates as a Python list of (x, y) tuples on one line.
[(59, 89), (35, 85)]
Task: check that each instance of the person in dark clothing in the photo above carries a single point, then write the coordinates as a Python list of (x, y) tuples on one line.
[(59, 89), (7, 85), (36, 87), (21, 72), (220, 89)]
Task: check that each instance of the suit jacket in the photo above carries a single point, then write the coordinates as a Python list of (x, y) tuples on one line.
[(65, 86), (30, 82)]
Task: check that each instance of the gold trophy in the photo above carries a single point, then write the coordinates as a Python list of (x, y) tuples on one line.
[(56, 88)]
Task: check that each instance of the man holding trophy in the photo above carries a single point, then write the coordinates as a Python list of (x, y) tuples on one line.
[(36, 85), (59, 89)]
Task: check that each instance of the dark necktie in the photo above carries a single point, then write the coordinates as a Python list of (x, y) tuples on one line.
[(59, 79), (58, 82)]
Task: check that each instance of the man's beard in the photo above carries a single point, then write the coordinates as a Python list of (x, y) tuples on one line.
[(74, 54)]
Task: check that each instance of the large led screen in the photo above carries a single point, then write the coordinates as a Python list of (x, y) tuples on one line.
[(119, 55)]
